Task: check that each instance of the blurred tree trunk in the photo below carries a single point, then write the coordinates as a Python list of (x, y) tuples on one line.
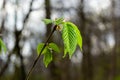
[(21, 72), (113, 53), (87, 66), (52, 66), (48, 14)]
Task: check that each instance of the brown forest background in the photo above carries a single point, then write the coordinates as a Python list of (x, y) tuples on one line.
[(22, 29)]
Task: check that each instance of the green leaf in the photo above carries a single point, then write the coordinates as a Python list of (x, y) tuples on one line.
[(47, 57), (69, 37), (2, 46), (39, 48), (79, 37), (58, 21), (47, 21), (65, 52), (46, 52), (54, 47)]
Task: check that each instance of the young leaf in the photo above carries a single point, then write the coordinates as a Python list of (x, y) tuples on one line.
[(39, 48), (65, 51), (69, 39), (47, 21), (54, 47), (2, 46), (46, 52), (58, 21), (79, 37), (47, 58)]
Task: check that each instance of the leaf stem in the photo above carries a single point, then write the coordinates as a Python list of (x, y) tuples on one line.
[(36, 60)]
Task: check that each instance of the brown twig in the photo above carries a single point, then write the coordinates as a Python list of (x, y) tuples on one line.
[(36, 60)]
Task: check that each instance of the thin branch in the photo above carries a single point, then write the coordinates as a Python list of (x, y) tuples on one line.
[(36, 60)]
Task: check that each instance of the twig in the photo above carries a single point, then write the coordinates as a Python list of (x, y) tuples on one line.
[(36, 60)]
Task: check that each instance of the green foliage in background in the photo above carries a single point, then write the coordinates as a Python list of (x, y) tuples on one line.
[(2, 46), (71, 37)]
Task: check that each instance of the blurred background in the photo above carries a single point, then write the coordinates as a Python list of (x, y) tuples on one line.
[(22, 29)]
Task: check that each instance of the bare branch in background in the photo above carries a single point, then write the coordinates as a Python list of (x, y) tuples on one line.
[(1, 30), (30, 10), (17, 35), (3, 16)]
